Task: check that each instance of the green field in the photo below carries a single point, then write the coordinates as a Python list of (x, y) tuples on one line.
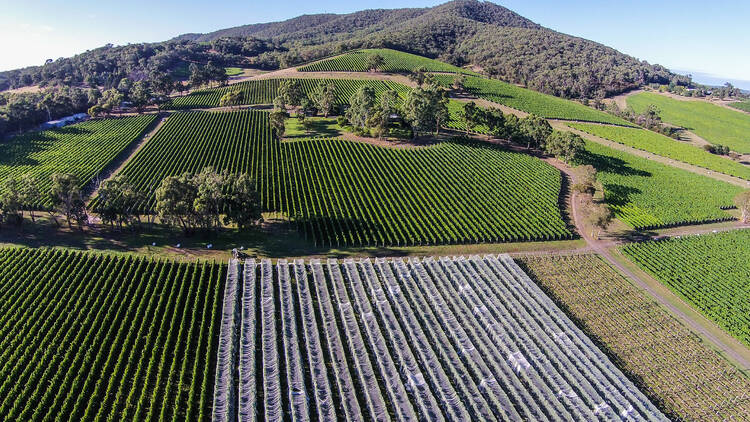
[(647, 195), (531, 101), (741, 105), (350, 193), (655, 143), (83, 149), (263, 91), (709, 271), (393, 62), (711, 122), (102, 337), (233, 71)]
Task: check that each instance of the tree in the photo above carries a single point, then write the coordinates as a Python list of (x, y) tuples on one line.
[(197, 76), (95, 110), (459, 81), (241, 202), (361, 107), (208, 198), (47, 103), (494, 120), (277, 120), (598, 216), (110, 99), (374, 62), (587, 182), (175, 198), (11, 201), (140, 95), (307, 107), (566, 146), (125, 86), (324, 97), (470, 116), (535, 130), (742, 201), (418, 75), (118, 201), (67, 199), (291, 91), (163, 85), (30, 194), (389, 102), (426, 109), (232, 98)]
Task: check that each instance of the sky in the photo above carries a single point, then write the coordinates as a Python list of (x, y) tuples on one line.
[(699, 37)]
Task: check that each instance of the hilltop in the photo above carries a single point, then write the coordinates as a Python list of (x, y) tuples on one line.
[(487, 36)]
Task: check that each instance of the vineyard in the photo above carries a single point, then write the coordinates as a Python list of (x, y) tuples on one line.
[(84, 150), (655, 143), (531, 101), (709, 271), (431, 339), (263, 91), (647, 195), (393, 62), (711, 122), (339, 192), (101, 337), (741, 105), (689, 380)]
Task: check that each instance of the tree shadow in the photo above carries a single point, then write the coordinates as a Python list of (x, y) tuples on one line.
[(609, 164)]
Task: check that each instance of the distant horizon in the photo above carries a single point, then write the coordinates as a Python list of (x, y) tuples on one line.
[(711, 79), (53, 30)]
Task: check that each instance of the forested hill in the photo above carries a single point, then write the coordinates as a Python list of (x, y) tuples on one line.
[(501, 42), (496, 40)]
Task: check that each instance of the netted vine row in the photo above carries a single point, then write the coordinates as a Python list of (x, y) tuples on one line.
[(448, 339)]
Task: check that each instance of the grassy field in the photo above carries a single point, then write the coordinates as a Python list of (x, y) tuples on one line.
[(709, 271), (263, 91), (647, 195), (686, 378), (346, 193), (83, 149), (393, 62), (233, 71), (531, 101), (713, 123), (655, 143), (94, 337)]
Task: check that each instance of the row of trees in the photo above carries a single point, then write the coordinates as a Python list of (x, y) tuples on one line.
[(20, 195), (190, 201), (207, 199), (532, 131), (596, 213)]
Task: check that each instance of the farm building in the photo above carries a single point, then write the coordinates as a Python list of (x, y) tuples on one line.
[(64, 121)]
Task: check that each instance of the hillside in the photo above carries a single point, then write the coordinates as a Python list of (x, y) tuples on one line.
[(483, 34), (490, 37)]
